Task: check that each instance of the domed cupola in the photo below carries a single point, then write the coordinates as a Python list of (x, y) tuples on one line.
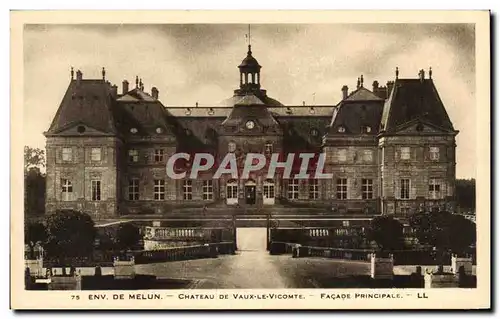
[(249, 72)]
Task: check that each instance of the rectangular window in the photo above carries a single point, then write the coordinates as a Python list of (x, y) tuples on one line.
[(232, 191), (67, 154), (405, 153), (96, 190), (293, 189), (159, 189), (187, 189), (405, 189), (269, 148), (434, 153), (313, 189), (208, 190), (133, 156), (345, 223), (133, 189), (158, 155), (367, 188), (434, 189), (95, 155), (368, 155), (67, 190), (341, 188), (342, 155)]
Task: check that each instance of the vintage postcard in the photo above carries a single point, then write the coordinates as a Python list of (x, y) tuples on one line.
[(250, 160)]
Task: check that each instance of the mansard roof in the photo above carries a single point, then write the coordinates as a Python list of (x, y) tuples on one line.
[(87, 102), (361, 109), (250, 107), (413, 99), (145, 116), (235, 99), (362, 94)]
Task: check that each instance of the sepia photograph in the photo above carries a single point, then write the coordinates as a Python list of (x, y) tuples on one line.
[(277, 161)]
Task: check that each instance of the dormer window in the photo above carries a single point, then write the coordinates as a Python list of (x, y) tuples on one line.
[(288, 110), (311, 110), (250, 125), (341, 129), (211, 111), (188, 111)]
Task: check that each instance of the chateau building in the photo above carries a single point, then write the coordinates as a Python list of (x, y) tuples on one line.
[(390, 149)]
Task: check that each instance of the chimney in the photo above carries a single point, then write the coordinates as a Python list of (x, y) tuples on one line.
[(375, 86), (79, 75), (124, 87), (114, 91), (345, 91), (154, 93), (390, 85)]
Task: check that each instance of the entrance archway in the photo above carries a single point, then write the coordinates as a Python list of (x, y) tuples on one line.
[(250, 192), (268, 192)]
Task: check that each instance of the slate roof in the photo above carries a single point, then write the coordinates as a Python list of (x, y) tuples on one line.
[(86, 102), (250, 107), (145, 116), (359, 110), (413, 99), (266, 100), (249, 61), (362, 94)]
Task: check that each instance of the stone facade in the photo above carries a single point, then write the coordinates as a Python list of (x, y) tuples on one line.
[(107, 152)]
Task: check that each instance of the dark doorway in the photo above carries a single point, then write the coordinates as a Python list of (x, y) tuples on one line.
[(250, 195)]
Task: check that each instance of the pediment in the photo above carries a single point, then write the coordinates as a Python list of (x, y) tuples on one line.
[(79, 128), (420, 127)]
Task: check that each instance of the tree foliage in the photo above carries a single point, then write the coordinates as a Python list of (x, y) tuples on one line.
[(70, 234), (466, 194), (34, 193), (127, 236), (387, 232), (33, 158), (444, 230), (34, 233)]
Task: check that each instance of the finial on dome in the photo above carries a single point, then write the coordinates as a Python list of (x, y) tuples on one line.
[(430, 72)]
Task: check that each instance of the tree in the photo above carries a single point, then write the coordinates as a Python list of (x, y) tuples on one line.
[(33, 158), (466, 194), (71, 234), (445, 231), (127, 236), (34, 181), (34, 233), (387, 232), (34, 193)]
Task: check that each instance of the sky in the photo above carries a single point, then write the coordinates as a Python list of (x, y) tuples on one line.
[(303, 62)]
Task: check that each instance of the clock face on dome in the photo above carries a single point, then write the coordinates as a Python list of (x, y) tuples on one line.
[(250, 125)]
